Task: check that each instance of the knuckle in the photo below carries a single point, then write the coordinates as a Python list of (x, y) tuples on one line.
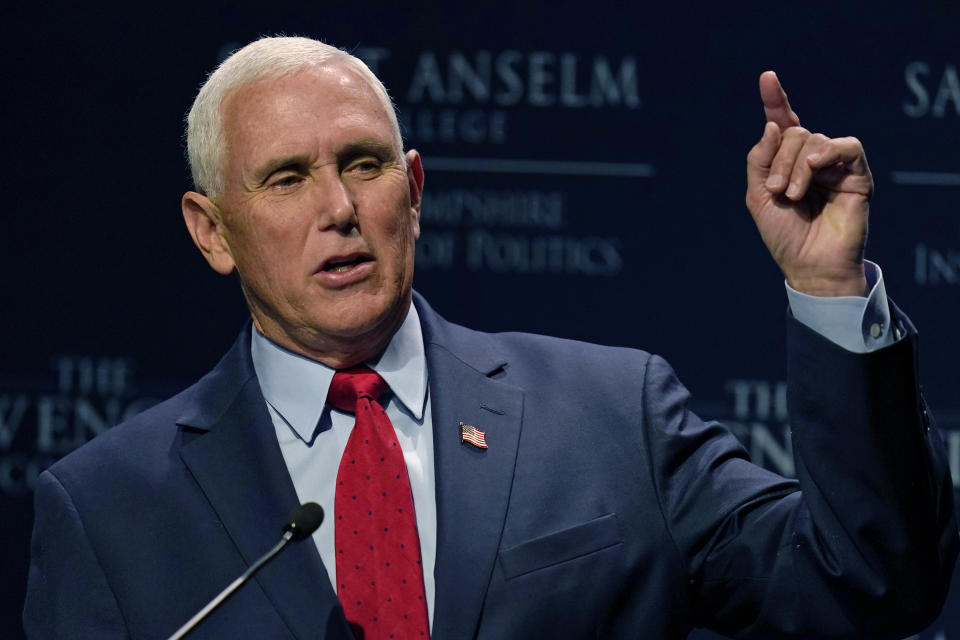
[(796, 133), (779, 166), (848, 142)]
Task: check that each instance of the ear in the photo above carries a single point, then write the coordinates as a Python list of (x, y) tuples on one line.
[(204, 222), (415, 179)]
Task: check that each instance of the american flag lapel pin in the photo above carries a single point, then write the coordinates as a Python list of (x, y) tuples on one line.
[(473, 435)]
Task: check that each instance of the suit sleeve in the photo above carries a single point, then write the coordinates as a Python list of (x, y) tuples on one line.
[(863, 543), (68, 595)]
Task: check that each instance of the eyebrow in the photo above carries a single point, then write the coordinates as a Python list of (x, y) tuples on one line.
[(366, 146)]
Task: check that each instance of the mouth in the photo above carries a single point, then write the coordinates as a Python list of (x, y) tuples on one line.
[(347, 270), (344, 264)]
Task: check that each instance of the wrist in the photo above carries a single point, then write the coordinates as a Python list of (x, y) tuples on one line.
[(831, 285)]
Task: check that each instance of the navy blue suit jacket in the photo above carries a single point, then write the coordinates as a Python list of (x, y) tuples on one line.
[(602, 508)]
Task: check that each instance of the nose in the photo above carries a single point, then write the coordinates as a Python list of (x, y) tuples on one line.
[(334, 203)]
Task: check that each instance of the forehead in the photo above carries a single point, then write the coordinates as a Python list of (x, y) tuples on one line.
[(325, 105)]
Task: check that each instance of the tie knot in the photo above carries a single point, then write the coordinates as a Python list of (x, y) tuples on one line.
[(349, 385)]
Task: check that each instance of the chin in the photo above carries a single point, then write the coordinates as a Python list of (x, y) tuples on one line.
[(359, 320)]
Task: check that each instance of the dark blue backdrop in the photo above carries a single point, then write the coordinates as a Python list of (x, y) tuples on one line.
[(580, 163)]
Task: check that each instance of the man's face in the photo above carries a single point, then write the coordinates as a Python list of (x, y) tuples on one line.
[(320, 212)]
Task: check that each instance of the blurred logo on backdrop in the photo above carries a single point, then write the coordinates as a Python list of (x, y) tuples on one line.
[(481, 99), (936, 265), (84, 396), (933, 89), (468, 96), (933, 93)]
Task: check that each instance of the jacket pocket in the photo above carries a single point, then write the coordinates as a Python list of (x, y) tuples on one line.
[(560, 546)]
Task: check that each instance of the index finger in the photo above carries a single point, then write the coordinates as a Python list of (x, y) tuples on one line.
[(775, 103)]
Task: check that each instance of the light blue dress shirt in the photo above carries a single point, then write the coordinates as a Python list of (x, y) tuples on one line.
[(313, 436)]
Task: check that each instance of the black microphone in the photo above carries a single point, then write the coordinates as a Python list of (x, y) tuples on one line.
[(302, 522)]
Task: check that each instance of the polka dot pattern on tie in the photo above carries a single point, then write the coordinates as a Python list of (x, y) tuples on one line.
[(379, 571)]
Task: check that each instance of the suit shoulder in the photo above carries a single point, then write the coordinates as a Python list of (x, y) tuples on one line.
[(567, 363), (144, 437), (575, 351), (485, 351)]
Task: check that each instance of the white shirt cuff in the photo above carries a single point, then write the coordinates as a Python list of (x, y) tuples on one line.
[(858, 324)]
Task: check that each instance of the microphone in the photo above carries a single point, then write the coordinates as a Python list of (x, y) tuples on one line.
[(302, 522)]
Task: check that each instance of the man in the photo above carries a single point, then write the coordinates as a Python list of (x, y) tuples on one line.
[(559, 489)]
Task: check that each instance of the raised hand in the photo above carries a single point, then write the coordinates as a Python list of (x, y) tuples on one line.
[(809, 196)]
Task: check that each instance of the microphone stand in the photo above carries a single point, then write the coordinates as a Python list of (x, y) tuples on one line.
[(233, 586), (302, 522)]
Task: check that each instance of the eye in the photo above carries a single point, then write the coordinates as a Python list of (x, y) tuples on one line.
[(367, 165), (286, 181)]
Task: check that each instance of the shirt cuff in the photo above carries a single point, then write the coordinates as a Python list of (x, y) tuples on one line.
[(858, 324)]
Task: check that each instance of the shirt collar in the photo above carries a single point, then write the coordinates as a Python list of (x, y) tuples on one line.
[(296, 386)]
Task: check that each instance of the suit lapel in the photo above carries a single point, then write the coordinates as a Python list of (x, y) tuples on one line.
[(472, 485), (237, 462)]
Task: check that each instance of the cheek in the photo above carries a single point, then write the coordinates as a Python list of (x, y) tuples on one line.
[(406, 235), (397, 244), (390, 222), (258, 246)]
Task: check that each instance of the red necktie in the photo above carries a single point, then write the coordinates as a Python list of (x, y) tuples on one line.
[(379, 574)]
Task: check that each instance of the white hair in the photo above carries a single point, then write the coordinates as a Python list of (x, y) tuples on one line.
[(263, 58)]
